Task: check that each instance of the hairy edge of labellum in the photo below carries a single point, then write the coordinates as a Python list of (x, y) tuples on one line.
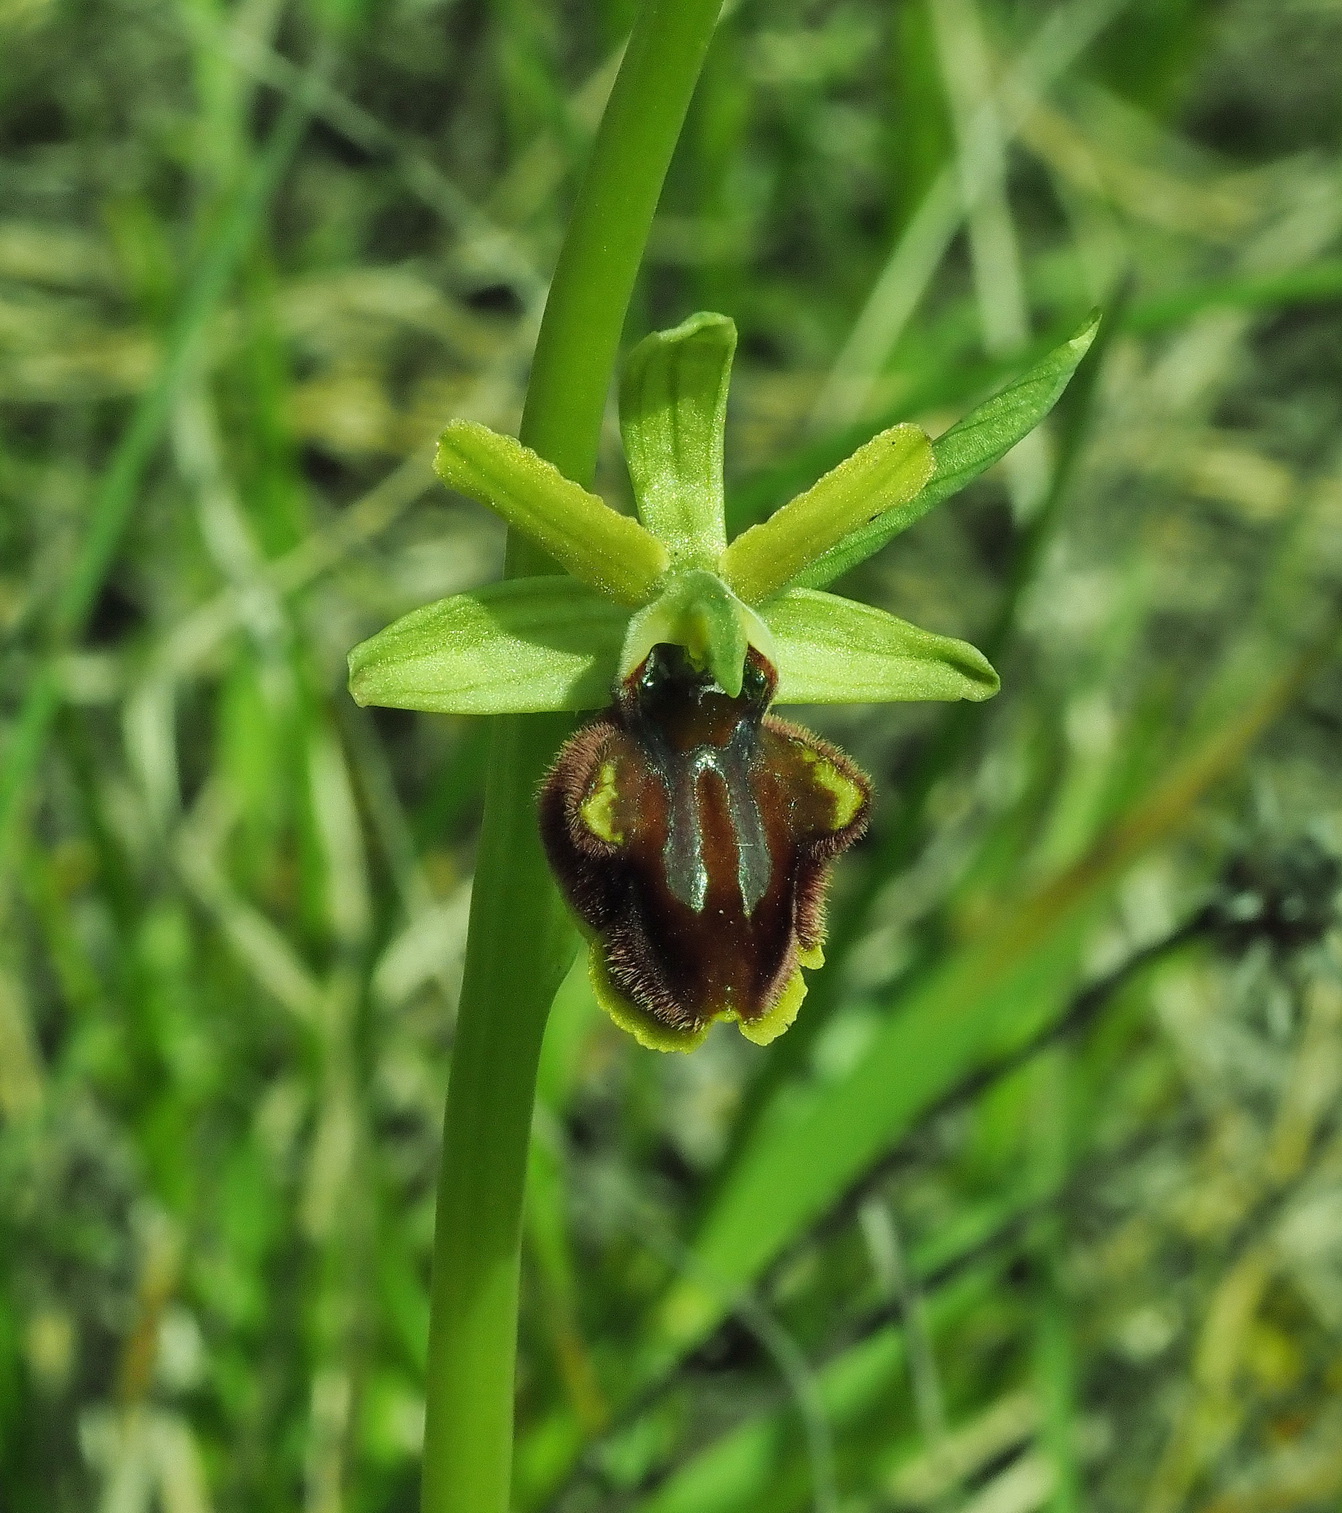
[(692, 834)]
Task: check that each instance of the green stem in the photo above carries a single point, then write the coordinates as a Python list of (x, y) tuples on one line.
[(520, 941)]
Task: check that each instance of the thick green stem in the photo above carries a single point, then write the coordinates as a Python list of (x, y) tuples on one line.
[(520, 942)]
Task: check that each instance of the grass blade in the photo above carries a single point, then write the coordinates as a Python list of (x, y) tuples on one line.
[(792, 1174)]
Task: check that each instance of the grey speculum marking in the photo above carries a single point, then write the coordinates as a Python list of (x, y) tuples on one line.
[(682, 773)]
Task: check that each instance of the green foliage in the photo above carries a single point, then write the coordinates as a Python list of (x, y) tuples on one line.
[(1037, 1198), (969, 448)]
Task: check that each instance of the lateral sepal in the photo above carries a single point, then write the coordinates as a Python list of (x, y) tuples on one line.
[(523, 646)]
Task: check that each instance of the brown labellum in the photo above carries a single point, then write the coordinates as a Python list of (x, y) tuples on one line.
[(692, 832)]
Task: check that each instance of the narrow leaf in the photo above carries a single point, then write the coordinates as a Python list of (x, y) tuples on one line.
[(969, 448), (595, 543), (673, 411), (517, 647), (836, 651), (879, 477), (747, 1465)]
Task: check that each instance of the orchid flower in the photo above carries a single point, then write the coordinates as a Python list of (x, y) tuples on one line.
[(689, 829)]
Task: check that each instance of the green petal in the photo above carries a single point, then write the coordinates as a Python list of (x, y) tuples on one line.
[(880, 476), (970, 447), (673, 411), (607, 550), (699, 612), (517, 647), (836, 651)]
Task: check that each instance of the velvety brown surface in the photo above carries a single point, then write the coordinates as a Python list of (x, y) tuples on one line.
[(720, 837)]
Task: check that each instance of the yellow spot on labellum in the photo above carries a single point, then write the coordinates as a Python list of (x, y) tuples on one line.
[(849, 797), (598, 808)]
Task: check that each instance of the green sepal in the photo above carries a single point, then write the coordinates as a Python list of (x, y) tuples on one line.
[(970, 447), (836, 651), (699, 612), (885, 473), (673, 413), (522, 646), (605, 549)]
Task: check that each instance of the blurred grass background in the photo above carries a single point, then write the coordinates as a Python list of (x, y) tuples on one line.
[(1040, 1203)]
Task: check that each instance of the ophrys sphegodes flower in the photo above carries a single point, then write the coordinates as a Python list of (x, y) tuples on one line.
[(690, 830), (692, 834)]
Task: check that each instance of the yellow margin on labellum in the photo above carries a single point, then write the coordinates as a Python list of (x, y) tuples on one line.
[(651, 1033), (644, 1027), (771, 1024)]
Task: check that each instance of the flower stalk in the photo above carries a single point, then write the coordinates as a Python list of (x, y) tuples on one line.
[(520, 942)]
